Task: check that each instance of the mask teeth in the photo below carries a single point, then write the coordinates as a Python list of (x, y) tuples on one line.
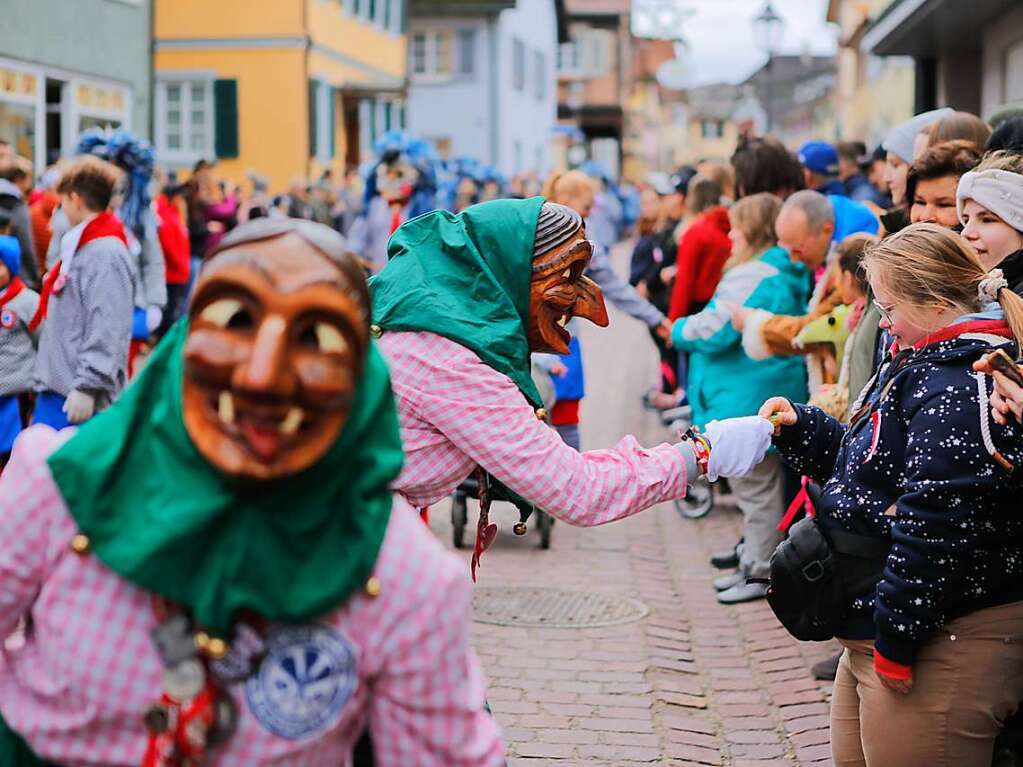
[(292, 421), (225, 407)]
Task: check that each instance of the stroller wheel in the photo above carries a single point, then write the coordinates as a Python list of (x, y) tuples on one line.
[(699, 502), (459, 519)]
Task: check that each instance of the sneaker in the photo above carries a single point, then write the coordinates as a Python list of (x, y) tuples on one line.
[(726, 582), (724, 560), (743, 592), (826, 670)]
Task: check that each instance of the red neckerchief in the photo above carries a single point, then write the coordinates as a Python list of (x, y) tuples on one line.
[(14, 287), (993, 327), (105, 224)]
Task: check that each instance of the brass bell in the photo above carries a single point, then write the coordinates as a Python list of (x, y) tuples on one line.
[(376, 331), (217, 648), (202, 642), (520, 528), (373, 587), (541, 414), (80, 544)]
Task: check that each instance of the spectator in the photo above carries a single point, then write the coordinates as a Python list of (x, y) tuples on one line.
[(765, 165), (923, 472), (990, 204), (702, 251), (851, 159), (877, 175), (900, 149), (957, 126), (1007, 136), (176, 252), (933, 179), (41, 211), (820, 167), (725, 383), (13, 180)]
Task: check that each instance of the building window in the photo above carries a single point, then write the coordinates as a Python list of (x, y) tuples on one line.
[(431, 55), (321, 121), (348, 6), (518, 64), (184, 122), (466, 52), (588, 55), (712, 128), (1014, 73), (540, 75)]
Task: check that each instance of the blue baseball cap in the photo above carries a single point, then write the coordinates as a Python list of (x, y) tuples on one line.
[(10, 253), (819, 157)]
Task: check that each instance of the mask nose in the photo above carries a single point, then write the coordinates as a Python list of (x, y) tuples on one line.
[(266, 371)]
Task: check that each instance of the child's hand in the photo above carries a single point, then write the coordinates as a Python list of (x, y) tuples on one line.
[(558, 369), (779, 411)]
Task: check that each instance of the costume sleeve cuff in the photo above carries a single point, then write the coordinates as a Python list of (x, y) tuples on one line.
[(890, 668), (899, 652), (688, 454), (753, 337)]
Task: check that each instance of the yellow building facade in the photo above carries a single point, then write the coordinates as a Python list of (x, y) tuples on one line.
[(280, 88)]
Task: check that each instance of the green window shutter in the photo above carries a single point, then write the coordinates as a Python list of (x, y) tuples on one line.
[(225, 119), (313, 117), (332, 122)]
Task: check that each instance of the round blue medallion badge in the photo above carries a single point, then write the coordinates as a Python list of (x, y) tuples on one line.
[(7, 319), (308, 675)]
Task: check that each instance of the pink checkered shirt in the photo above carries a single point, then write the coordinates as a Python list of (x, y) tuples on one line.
[(76, 686), (456, 412)]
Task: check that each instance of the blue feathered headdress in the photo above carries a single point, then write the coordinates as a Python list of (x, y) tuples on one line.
[(133, 155)]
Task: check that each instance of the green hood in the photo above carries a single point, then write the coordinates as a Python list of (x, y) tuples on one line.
[(466, 277), (162, 517)]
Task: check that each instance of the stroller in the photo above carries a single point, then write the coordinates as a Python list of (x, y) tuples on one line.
[(469, 488)]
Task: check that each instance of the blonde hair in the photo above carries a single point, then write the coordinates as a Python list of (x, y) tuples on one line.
[(567, 184), (1001, 160), (754, 216), (930, 267)]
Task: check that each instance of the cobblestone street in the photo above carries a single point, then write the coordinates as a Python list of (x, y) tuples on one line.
[(694, 682)]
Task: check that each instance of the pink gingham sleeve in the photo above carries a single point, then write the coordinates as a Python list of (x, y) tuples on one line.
[(30, 510), (427, 701), (485, 416)]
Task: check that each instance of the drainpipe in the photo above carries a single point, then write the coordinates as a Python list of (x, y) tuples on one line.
[(495, 115), (151, 105)]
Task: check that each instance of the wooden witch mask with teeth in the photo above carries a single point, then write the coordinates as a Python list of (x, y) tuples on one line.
[(278, 335), (559, 289)]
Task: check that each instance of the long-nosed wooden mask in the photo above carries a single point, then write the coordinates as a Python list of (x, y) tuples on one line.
[(559, 289), (278, 334)]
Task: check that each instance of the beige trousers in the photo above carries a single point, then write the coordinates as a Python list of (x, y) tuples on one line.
[(966, 681)]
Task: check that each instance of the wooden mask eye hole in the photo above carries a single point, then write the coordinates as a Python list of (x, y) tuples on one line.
[(324, 337), (227, 313)]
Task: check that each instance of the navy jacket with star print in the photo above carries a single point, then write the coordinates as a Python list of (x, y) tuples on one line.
[(923, 465)]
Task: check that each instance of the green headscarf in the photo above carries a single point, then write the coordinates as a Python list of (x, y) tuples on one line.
[(158, 514), (466, 277)]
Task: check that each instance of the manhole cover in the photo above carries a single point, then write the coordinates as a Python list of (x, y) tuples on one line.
[(554, 608)]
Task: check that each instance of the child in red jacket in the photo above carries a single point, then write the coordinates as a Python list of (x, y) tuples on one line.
[(176, 252)]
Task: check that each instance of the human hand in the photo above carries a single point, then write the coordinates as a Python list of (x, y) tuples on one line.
[(739, 316), (737, 445), (641, 289), (215, 227), (663, 331), (154, 315), (779, 412), (79, 406), (668, 274), (558, 369), (894, 676)]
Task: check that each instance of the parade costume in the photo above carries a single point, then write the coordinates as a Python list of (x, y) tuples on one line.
[(460, 305), (18, 305), (86, 303), (241, 582)]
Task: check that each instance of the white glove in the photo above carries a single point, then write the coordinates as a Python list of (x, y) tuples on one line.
[(737, 445), (79, 406), (154, 315)]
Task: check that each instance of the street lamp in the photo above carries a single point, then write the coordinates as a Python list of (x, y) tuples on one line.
[(768, 27)]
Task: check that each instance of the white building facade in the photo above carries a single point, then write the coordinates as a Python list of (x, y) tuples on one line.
[(482, 80)]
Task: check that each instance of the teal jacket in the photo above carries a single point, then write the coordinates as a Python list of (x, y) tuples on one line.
[(723, 381)]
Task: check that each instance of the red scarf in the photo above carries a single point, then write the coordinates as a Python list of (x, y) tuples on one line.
[(14, 287), (105, 224)]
